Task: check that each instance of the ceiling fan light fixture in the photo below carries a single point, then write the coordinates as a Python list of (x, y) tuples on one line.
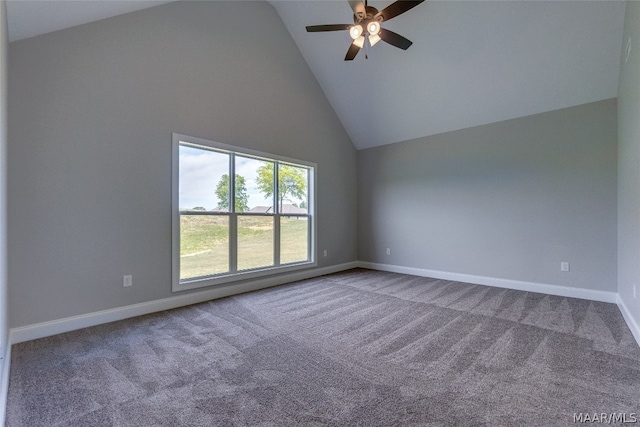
[(373, 39), (355, 31), (359, 42), (373, 28)]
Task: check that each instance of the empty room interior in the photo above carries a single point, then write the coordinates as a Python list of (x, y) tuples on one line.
[(209, 215)]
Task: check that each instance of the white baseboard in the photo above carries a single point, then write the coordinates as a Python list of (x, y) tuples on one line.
[(563, 291), (631, 322), (45, 329), (4, 382)]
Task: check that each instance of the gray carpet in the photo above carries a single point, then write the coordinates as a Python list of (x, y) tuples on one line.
[(358, 348)]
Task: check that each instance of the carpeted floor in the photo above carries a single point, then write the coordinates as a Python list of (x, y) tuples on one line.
[(358, 348)]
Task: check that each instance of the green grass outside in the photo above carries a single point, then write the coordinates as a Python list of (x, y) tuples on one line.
[(204, 243)]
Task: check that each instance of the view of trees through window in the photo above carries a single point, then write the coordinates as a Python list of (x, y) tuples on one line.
[(240, 212)]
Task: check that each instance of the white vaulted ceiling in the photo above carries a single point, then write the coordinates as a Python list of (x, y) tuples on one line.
[(471, 62), (28, 18)]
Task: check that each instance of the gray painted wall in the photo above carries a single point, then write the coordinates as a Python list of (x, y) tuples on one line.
[(509, 200), (91, 113), (629, 165), (4, 45)]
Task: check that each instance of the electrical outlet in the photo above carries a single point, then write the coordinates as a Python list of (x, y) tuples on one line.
[(564, 266), (388, 251), (127, 281), (325, 252)]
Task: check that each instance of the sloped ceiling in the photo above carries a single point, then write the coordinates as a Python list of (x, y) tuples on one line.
[(472, 62), (29, 18)]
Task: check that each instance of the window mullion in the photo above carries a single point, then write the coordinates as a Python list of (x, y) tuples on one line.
[(310, 239), (276, 240), (276, 218), (232, 182), (310, 217), (233, 243), (276, 188), (233, 216)]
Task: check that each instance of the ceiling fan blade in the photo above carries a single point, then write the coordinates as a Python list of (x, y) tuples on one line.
[(397, 8), (394, 39), (330, 27), (352, 52), (357, 6)]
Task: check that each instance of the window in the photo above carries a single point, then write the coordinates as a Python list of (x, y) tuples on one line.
[(238, 213)]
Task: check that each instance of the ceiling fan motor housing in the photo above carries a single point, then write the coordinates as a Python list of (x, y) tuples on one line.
[(369, 15)]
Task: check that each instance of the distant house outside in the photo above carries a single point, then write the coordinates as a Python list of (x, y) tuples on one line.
[(286, 209)]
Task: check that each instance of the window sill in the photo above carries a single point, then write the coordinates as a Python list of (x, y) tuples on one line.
[(227, 279)]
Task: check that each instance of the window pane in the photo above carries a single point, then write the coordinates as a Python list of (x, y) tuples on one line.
[(204, 245), (292, 189), (294, 239), (202, 178), (255, 241), (256, 192)]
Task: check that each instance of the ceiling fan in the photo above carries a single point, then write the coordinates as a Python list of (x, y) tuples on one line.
[(367, 21)]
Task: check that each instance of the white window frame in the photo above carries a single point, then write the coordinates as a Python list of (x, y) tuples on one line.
[(230, 277)]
